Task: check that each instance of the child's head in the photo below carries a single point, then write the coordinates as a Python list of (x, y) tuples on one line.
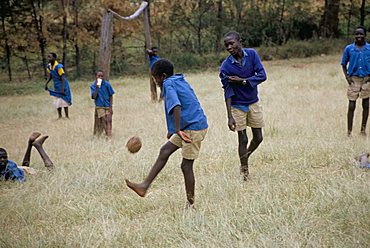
[(154, 50), (52, 57), (232, 42), (99, 74), (360, 34), (3, 158), (161, 70)]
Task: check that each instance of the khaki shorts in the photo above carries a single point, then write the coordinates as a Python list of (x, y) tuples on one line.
[(253, 118), (358, 89), (102, 111), (189, 150)]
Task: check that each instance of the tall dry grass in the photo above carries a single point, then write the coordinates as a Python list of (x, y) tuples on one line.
[(303, 192)]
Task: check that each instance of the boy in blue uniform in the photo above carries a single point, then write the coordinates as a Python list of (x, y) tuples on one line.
[(61, 93), (357, 57), (153, 57), (9, 169), (186, 124), (241, 72), (102, 92)]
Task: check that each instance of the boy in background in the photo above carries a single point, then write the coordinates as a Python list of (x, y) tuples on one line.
[(102, 92), (153, 57), (357, 57), (186, 125)]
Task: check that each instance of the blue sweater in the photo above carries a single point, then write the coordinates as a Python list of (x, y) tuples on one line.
[(251, 69)]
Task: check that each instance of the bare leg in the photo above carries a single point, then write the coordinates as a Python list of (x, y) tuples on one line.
[(107, 124), (38, 145), (256, 140), (164, 153), (27, 155), (187, 170), (350, 113), (59, 113), (243, 156), (365, 115), (66, 112), (153, 89)]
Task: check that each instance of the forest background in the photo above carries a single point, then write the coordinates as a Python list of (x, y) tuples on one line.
[(189, 33)]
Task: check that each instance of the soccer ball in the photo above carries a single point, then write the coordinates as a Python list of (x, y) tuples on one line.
[(133, 144)]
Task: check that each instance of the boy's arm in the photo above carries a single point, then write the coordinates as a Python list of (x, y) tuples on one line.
[(47, 82), (348, 78), (177, 114), (111, 104), (95, 93), (62, 84), (230, 119)]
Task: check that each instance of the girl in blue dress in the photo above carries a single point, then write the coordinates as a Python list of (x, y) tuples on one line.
[(61, 93)]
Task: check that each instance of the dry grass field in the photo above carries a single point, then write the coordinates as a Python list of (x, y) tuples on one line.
[(303, 192)]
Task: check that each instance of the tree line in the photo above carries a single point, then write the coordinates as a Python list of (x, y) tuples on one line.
[(71, 28)]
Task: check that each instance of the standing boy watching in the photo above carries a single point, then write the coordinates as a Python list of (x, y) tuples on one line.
[(357, 74), (186, 124), (241, 72), (102, 92), (61, 92)]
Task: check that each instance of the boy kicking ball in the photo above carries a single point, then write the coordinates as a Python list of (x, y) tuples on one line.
[(186, 124)]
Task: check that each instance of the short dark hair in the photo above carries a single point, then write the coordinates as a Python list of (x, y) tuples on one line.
[(361, 27), (54, 55), (162, 66), (99, 70), (154, 48), (233, 34), (3, 150)]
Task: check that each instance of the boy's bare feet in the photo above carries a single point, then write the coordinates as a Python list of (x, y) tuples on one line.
[(349, 134), (138, 188), (244, 172), (34, 136), (40, 141), (363, 133)]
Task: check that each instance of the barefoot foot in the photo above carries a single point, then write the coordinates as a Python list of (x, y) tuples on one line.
[(138, 188), (33, 137), (40, 141), (244, 172)]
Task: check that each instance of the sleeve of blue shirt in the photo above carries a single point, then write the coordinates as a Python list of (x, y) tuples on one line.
[(260, 74), (110, 89), (172, 100), (15, 173), (228, 90), (92, 89), (345, 57)]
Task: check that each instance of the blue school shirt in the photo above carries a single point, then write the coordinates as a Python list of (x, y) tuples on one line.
[(104, 93), (178, 92), (152, 60), (12, 172), (358, 59), (250, 69)]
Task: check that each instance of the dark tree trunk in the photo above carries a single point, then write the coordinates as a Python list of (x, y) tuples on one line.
[(349, 18), (76, 45), (329, 19), (219, 25), (38, 22), (8, 52), (362, 13), (25, 59), (65, 30)]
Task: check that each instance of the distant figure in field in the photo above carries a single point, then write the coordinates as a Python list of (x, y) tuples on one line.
[(9, 169), (102, 92), (241, 72), (357, 73), (153, 57), (186, 124), (61, 93)]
